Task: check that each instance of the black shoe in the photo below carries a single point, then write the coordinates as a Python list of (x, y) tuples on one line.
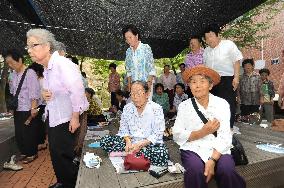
[(56, 185)]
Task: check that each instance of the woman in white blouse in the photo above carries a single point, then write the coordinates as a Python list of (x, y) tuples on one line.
[(204, 153), (141, 128)]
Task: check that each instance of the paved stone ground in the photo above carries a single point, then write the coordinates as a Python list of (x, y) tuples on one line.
[(39, 174)]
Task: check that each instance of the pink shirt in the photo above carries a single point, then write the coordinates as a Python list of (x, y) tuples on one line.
[(194, 59), (30, 89), (63, 79), (168, 81)]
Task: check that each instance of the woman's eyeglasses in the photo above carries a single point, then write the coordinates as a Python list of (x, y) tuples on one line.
[(32, 46)]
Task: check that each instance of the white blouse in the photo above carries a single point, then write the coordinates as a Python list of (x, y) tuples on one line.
[(187, 121), (150, 124)]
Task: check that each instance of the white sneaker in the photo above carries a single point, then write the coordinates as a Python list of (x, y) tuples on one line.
[(12, 165)]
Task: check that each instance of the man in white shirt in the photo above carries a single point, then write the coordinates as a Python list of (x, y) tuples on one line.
[(205, 148), (224, 57)]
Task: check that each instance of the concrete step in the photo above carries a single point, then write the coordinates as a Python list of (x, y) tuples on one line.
[(8, 145)]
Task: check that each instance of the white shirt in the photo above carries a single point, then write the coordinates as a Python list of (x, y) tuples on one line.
[(169, 81), (223, 57), (187, 121), (150, 124)]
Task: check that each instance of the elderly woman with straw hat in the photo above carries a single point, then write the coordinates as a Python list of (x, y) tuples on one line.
[(64, 94), (205, 147)]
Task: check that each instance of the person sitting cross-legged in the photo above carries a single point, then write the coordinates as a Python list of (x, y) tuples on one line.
[(141, 128), (94, 113), (180, 96)]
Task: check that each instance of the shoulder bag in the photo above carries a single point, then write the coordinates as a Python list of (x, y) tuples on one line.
[(13, 102)]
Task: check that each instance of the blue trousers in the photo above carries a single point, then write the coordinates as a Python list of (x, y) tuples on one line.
[(225, 173)]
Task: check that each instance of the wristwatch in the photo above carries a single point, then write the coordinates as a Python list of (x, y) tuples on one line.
[(211, 158)]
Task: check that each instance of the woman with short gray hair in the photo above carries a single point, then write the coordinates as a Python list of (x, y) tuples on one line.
[(61, 48), (64, 94), (44, 37)]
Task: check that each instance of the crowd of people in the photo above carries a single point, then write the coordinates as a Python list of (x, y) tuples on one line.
[(54, 99)]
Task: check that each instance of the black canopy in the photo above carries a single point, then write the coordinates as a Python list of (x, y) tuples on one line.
[(93, 28)]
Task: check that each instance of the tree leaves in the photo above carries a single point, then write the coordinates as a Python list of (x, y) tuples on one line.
[(248, 29)]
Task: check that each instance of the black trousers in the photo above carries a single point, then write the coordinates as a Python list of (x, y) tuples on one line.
[(248, 109), (171, 96), (41, 126), (225, 90), (96, 119), (61, 146), (26, 135), (113, 99)]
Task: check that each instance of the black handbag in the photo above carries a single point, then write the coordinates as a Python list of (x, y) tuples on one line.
[(237, 151), (12, 104)]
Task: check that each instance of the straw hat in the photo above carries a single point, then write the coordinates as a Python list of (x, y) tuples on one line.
[(201, 70)]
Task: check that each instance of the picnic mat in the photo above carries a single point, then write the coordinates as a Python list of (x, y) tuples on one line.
[(96, 135)]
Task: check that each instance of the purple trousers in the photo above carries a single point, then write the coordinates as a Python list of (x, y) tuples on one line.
[(225, 173)]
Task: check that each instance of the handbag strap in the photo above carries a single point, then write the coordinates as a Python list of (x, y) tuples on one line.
[(200, 114), (21, 83)]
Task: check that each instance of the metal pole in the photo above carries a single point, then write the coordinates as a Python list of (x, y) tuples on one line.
[(262, 49)]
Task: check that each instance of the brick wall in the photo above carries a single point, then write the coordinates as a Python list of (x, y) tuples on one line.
[(273, 46)]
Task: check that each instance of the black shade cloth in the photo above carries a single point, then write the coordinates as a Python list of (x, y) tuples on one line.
[(93, 28)]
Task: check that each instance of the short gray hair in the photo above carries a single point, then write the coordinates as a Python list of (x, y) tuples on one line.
[(60, 46), (43, 36), (143, 84)]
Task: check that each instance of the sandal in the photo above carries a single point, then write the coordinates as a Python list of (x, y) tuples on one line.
[(30, 159)]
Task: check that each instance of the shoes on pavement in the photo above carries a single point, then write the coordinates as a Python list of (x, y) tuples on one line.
[(30, 159), (56, 185), (11, 165)]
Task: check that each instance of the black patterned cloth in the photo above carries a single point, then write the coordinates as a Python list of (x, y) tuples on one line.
[(157, 154)]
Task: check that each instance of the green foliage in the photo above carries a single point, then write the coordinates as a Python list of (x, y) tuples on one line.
[(174, 62), (98, 72), (245, 32), (179, 58), (27, 60)]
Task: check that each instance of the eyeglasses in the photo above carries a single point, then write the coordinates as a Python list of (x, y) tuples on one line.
[(32, 46)]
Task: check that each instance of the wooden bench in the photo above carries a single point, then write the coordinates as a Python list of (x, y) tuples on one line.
[(264, 169)]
